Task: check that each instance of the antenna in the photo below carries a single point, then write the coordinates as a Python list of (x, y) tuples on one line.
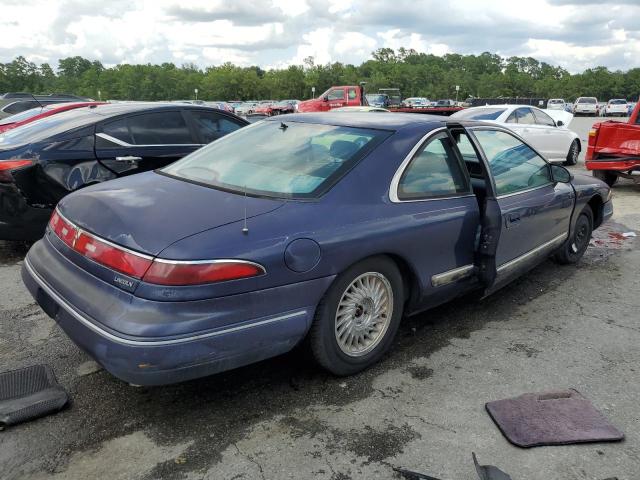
[(34, 97), (245, 229)]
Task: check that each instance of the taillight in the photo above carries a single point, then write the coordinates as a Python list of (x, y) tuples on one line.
[(63, 229), (167, 272), (593, 136), (144, 267), (116, 258), (6, 166)]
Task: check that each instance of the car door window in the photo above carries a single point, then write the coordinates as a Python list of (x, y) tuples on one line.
[(513, 118), (352, 94), (211, 126), (157, 128), (336, 94), (17, 107), (160, 128), (525, 116), (433, 172), (118, 129), (543, 119), (514, 165)]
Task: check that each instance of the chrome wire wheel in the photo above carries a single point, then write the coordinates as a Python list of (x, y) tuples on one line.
[(364, 313)]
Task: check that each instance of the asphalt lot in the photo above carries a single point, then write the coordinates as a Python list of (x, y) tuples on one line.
[(422, 407)]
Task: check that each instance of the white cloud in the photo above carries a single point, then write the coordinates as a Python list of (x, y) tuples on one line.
[(572, 33)]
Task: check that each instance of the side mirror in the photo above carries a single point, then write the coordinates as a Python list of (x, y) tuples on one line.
[(561, 174), (559, 123)]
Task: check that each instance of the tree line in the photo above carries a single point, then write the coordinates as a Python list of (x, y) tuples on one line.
[(414, 73)]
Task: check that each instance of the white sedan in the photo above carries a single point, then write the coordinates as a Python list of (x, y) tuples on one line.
[(545, 130)]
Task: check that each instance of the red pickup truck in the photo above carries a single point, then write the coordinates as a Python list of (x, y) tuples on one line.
[(335, 97), (614, 149)]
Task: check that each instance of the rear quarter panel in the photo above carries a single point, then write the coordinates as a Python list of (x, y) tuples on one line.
[(353, 221)]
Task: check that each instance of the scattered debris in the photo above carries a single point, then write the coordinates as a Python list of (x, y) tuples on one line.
[(410, 475), (29, 393), (489, 472), (551, 418), (629, 234), (485, 472)]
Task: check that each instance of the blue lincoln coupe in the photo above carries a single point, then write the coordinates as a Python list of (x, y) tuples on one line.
[(319, 227)]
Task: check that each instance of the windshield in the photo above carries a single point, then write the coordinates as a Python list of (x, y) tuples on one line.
[(19, 117), (479, 114), (272, 158), (46, 127), (587, 100)]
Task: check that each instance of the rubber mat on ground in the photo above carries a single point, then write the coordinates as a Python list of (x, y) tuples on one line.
[(551, 418), (29, 393)]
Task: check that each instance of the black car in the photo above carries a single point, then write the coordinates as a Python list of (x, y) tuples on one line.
[(12, 103), (43, 161)]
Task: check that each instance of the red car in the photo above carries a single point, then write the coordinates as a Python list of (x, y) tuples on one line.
[(37, 113), (614, 149)]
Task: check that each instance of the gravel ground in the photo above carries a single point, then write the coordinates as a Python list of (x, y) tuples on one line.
[(422, 407)]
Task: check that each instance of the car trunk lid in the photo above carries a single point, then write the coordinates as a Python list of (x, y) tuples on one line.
[(149, 211)]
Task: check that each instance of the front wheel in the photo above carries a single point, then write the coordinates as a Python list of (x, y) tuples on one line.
[(610, 178), (574, 248), (357, 319), (574, 153)]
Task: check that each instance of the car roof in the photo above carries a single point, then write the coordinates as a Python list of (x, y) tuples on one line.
[(390, 121), (111, 109)]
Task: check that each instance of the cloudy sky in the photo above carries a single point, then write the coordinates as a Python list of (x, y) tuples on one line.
[(275, 33)]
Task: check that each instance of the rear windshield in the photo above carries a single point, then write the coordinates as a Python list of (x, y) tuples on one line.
[(480, 113), (19, 117), (376, 98), (587, 100), (278, 159), (47, 127), (556, 100), (617, 102)]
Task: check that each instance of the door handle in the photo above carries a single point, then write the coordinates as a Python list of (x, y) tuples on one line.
[(513, 219), (128, 158)]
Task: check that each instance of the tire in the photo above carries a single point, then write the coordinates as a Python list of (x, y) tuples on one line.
[(350, 292), (573, 154), (608, 177), (573, 249)]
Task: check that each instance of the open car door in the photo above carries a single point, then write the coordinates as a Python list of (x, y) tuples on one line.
[(488, 236), (525, 214)]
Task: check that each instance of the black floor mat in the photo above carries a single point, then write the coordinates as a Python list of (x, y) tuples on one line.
[(29, 393)]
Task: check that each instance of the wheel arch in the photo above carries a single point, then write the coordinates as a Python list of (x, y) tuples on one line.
[(410, 282)]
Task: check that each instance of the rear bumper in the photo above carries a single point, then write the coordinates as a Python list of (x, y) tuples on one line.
[(620, 165), (18, 220), (158, 360)]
